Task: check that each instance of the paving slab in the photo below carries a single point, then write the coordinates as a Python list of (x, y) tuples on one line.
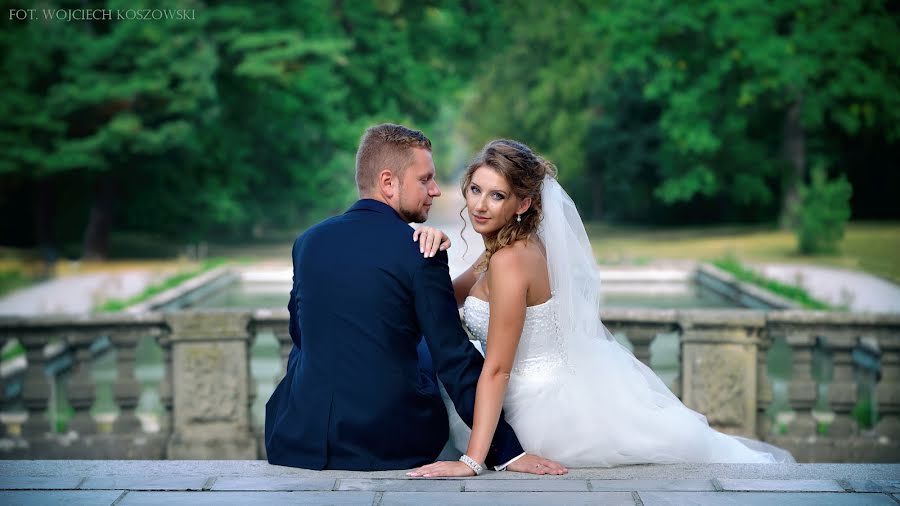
[(39, 482), (376, 485), (539, 485), (780, 485), (59, 497), (144, 482), (638, 485), (502, 498), (245, 498), (763, 499), (272, 483), (874, 485)]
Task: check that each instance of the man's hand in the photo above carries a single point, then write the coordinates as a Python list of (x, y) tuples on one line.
[(443, 469), (431, 240), (533, 464)]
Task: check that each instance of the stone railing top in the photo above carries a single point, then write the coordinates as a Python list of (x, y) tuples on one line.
[(718, 317), (639, 315), (81, 321), (798, 316), (271, 315)]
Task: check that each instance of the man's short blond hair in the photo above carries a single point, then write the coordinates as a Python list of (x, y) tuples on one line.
[(386, 146)]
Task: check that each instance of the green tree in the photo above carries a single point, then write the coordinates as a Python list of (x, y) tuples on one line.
[(536, 85), (724, 74), (97, 101)]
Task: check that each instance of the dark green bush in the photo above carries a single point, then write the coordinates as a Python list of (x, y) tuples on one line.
[(824, 211)]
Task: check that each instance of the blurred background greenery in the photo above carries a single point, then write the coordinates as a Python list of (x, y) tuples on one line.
[(130, 138)]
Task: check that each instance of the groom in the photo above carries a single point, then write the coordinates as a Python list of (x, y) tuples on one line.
[(359, 393)]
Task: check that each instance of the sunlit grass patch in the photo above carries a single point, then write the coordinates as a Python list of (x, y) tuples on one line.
[(871, 247)]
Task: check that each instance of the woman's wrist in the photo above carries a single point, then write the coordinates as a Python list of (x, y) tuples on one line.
[(475, 466)]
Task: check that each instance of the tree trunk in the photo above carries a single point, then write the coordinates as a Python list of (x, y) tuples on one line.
[(596, 197), (96, 235), (795, 152), (44, 211)]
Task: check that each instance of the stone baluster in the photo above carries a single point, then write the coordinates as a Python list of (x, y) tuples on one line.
[(641, 338), (842, 393), (165, 384), (677, 381), (211, 384), (719, 367), (80, 389), (887, 393), (127, 389), (36, 388), (803, 389), (640, 326), (4, 400), (266, 320), (764, 394), (252, 385)]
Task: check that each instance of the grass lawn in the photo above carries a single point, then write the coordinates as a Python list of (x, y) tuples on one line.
[(873, 247)]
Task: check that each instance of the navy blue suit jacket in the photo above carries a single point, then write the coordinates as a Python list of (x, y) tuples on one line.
[(357, 393)]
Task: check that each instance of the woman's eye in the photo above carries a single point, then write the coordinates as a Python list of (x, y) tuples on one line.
[(498, 196), (474, 189)]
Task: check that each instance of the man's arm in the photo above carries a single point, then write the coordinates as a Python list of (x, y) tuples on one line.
[(457, 363)]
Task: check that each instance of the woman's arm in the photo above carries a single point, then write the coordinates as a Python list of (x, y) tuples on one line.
[(508, 286)]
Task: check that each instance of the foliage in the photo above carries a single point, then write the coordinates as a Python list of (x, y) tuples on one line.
[(794, 293), (536, 88), (824, 213), (11, 279), (725, 76), (245, 119), (862, 413), (237, 121)]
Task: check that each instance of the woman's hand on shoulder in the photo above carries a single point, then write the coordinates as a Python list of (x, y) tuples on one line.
[(431, 240)]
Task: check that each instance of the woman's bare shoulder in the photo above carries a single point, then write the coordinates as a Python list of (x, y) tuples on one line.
[(520, 256)]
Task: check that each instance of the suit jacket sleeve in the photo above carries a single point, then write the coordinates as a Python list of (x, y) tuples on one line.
[(458, 363)]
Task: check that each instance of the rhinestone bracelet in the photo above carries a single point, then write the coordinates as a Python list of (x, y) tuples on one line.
[(474, 466)]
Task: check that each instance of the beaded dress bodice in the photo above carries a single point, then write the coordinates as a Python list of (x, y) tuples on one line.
[(540, 351)]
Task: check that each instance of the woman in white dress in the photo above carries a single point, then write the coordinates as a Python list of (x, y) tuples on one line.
[(570, 391)]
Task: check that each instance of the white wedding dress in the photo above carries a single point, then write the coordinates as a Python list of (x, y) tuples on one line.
[(575, 394), (615, 412)]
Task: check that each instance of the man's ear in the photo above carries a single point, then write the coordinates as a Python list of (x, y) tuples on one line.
[(387, 183), (524, 205)]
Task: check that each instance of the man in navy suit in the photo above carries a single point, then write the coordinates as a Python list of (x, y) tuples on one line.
[(359, 393)]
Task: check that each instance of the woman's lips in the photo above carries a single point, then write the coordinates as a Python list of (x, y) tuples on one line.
[(479, 219)]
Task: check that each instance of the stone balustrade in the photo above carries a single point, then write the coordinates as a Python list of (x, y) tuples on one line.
[(207, 385)]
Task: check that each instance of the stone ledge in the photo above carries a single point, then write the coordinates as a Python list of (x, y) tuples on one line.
[(216, 483), (259, 468)]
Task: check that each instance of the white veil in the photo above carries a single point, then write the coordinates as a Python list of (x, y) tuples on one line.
[(574, 279)]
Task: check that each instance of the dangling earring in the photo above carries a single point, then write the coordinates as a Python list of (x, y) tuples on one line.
[(519, 218)]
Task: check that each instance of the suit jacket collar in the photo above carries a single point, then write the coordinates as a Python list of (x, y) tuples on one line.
[(374, 205)]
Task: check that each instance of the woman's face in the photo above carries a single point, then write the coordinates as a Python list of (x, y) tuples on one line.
[(490, 202)]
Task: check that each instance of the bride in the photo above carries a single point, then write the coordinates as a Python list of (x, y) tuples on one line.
[(570, 391)]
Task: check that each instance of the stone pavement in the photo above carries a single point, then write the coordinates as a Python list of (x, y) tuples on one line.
[(126, 483)]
